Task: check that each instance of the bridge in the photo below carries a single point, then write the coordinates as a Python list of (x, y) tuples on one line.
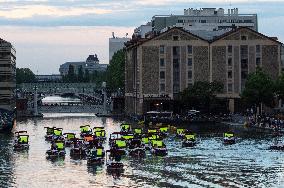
[(92, 96), (61, 88)]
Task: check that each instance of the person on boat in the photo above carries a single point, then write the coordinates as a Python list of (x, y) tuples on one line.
[(114, 153)]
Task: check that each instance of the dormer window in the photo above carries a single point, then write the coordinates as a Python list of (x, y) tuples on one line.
[(244, 37), (175, 37)]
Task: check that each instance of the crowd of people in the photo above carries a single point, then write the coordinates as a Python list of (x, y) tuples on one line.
[(6, 118), (266, 121)]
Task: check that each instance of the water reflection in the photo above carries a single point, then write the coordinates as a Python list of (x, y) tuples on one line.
[(6, 161), (247, 163)]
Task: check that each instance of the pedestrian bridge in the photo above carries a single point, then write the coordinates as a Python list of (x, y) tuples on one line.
[(71, 109), (59, 88)]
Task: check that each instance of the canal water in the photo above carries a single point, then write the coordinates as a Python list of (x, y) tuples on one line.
[(248, 163)]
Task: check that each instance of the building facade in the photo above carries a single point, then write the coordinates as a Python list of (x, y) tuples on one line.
[(142, 30), (206, 22), (91, 64), (7, 75), (115, 44), (157, 69)]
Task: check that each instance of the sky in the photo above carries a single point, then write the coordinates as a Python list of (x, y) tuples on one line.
[(47, 33)]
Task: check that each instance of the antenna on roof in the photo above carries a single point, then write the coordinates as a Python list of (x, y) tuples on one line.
[(113, 35)]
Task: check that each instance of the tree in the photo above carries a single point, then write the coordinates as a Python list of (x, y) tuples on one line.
[(259, 89), (24, 75), (279, 86), (87, 76), (80, 74), (201, 95), (115, 71), (71, 76)]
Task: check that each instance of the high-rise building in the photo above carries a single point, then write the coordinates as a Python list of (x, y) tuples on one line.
[(206, 22), (115, 44), (7, 75)]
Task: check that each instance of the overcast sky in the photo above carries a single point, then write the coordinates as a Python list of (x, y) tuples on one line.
[(47, 33)]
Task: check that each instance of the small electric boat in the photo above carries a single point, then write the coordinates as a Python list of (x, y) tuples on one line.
[(21, 141)]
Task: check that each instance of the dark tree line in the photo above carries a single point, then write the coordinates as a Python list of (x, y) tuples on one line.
[(96, 77), (201, 96), (24, 75), (113, 76)]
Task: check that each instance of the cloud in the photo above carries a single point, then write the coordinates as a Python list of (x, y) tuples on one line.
[(20, 12)]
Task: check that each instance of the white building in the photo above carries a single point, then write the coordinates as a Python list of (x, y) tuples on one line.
[(142, 30), (91, 64), (115, 44), (206, 22), (7, 75)]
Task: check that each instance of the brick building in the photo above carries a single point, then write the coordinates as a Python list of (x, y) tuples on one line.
[(158, 68)]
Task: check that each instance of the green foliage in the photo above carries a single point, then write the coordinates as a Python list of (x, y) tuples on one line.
[(80, 75), (201, 95), (98, 77), (87, 77), (115, 71), (279, 86), (259, 88), (24, 75), (114, 75)]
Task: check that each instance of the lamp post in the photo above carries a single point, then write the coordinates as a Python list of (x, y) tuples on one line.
[(35, 101), (105, 98)]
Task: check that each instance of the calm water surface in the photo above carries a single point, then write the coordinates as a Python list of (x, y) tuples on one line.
[(210, 164)]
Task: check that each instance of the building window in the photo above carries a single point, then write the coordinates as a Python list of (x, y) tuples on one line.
[(244, 51), (189, 85), (244, 75), (162, 62), (175, 37), (190, 74), (244, 37), (189, 62), (176, 50), (162, 49), (230, 49), (230, 62), (189, 49), (257, 48), (162, 87), (230, 74), (176, 63), (230, 87), (257, 61), (244, 63), (162, 75)]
